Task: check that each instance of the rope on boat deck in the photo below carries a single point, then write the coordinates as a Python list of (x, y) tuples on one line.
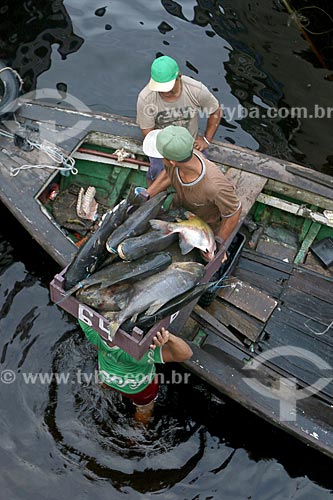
[(328, 327), (217, 285), (67, 163)]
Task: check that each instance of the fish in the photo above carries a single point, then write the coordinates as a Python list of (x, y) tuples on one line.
[(152, 293), (153, 241), (92, 253), (124, 271), (145, 321), (193, 233), (111, 298), (137, 223)]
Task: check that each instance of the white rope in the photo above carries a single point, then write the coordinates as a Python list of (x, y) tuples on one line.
[(67, 162), (16, 171)]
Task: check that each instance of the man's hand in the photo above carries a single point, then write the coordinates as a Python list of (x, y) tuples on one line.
[(200, 144), (141, 195), (160, 338)]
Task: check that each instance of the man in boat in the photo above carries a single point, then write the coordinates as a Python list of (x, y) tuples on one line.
[(174, 99), (200, 185), (136, 379)]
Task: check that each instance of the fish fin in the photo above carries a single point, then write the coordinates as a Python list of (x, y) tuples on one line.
[(189, 215), (161, 225), (134, 318), (185, 247), (154, 308), (113, 325)]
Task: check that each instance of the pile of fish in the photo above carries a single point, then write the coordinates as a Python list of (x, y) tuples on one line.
[(124, 272)]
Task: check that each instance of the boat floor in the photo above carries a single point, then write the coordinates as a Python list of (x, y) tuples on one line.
[(294, 343)]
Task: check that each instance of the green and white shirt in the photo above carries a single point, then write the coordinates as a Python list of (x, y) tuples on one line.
[(118, 369)]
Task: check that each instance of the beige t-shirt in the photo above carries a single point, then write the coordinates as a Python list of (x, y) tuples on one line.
[(211, 196), (153, 112)]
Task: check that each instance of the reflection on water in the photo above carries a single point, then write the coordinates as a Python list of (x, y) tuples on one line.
[(252, 57), (28, 33)]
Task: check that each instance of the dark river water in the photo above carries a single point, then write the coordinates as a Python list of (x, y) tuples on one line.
[(69, 438)]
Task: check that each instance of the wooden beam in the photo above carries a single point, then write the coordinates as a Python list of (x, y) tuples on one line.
[(295, 209), (299, 194)]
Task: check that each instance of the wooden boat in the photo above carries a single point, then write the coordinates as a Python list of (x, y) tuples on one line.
[(266, 339)]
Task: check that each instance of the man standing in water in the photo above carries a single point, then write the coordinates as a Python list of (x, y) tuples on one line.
[(136, 379), (174, 99)]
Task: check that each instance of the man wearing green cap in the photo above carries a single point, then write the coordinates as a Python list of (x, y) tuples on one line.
[(200, 185), (174, 99)]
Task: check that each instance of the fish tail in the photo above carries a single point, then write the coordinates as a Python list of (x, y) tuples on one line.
[(70, 292), (161, 225)]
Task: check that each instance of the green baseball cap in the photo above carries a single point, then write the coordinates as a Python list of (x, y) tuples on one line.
[(164, 72), (173, 143)]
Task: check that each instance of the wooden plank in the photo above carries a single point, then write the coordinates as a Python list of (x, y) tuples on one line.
[(310, 174), (266, 166), (78, 125), (282, 333), (307, 242), (268, 261), (313, 284), (307, 305), (288, 318), (228, 315), (265, 273), (205, 319), (248, 187), (249, 299), (297, 194), (269, 246), (313, 264), (273, 288), (294, 208)]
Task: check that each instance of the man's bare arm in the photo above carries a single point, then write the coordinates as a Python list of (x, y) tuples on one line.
[(161, 183), (228, 224), (213, 122), (146, 131), (174, 348)]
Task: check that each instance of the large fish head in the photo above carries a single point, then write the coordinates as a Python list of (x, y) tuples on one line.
[(207, 236)]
